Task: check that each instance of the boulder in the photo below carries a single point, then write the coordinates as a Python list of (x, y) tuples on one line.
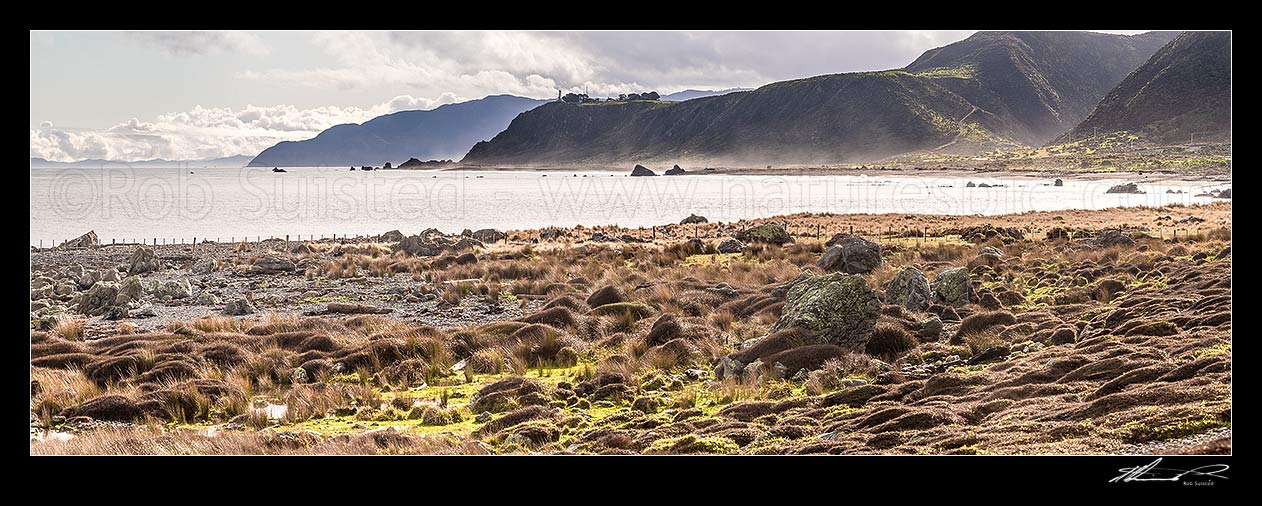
[(1225, 194), (418, 245), (489, 235), (1058, 182), (99, 300), (1113, 237), (641, 170), (838, 308), (301, 249), (851, 254), (770, 233), (142, 260), (203, 266), (130, 290), (173, 289), (552, 234), (239, 307), (392, 236), (693, 218), (909, 289), (971, 185), (272, 264), (951, 287), (675, 171), (88, 240), (206, 298), (731, 246)]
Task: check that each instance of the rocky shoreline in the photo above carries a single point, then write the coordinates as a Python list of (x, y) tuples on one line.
[(1056, 332)]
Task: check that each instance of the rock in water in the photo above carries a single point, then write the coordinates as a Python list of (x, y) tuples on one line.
[(142, 261), (770, 233), (239, 307), (731, 246), (1225, 194), (675, 171), (1058, 182), (693, 218), (641, 170), (951, 287), (272, 264), (910, 289), (488, 235), (851, 254), (88, 240), (839, 308), (1125, 188)]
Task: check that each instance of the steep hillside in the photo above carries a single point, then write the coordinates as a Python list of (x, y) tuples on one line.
[(1182, 91), (992, 88), (1044, 82)]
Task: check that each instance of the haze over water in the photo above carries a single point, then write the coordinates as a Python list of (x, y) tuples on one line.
[(222, 204)]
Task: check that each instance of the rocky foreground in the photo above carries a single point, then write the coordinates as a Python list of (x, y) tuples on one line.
[(1068, 332)]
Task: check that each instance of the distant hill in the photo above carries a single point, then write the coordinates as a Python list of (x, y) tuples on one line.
[(226, 162), (1044, 83), (992, 88), (446, 131), (1184, 89), (681, 96)]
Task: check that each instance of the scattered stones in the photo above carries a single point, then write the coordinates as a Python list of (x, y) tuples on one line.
[(851, 254), (347, 308)]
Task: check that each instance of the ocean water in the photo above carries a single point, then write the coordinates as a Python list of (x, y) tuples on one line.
[(228, 204)]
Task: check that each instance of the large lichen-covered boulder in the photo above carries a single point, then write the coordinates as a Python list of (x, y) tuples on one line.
[(418, 245), (488, 235), (770, 233), (951, 287), (851, 254), (838, 308), (731, 246), (910, 289)]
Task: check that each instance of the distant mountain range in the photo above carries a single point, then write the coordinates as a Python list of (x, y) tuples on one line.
[(681, 96), (991, 88), (444, 132), (227, 162), (1182, 93)]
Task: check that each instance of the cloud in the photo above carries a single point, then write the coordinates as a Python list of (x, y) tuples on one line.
[(536, 64), (203, 132), (202, 42)]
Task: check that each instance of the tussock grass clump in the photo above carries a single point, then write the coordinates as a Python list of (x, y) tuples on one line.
[(69, 329)]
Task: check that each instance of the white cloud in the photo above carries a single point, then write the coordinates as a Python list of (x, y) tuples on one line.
[(203, 132), (202, 42)]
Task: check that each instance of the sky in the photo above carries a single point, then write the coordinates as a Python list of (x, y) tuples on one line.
[(190, 95)]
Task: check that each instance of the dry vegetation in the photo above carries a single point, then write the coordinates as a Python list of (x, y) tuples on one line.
[(1103, 347)]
